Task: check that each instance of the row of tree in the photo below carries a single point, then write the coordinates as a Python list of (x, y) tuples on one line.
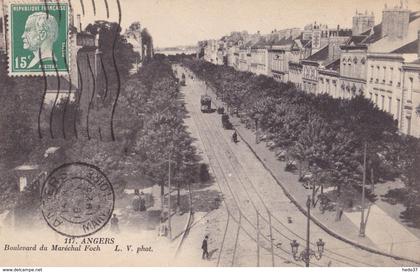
[(326, 135), (158, 136)]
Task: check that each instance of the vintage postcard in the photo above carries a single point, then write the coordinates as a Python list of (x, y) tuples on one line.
[(210, 133)]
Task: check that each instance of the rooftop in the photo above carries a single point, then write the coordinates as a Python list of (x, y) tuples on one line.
[(334, 65), (417, 61), (377, 29), (320, 55), (283, 41), (410, 48)]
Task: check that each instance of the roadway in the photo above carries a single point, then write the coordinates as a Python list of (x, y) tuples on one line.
[(252, 226)]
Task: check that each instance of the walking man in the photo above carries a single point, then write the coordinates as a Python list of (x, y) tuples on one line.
[(114, 224), (204, 248), (235, 137)]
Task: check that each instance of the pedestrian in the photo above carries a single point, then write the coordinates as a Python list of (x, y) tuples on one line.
[(235, 137), (136, 203), (339, 214), (351, 203), (114, 224), (142, 202), (204, 248)]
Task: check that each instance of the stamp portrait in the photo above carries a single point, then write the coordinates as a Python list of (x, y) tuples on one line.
[(38, 38), (77, 199)]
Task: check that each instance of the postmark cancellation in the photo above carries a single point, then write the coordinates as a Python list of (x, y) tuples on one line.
[(77, 199)]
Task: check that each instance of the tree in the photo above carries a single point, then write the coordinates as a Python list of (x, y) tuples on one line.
[(147, 45), (324, 131)]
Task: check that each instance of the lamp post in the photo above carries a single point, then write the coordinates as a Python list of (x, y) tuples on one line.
[(256, 120), (362, 219), (307, 253)]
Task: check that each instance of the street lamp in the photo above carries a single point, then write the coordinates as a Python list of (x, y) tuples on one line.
[(307, 253)]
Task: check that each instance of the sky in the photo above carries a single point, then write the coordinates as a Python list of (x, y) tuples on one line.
[(184, 22)]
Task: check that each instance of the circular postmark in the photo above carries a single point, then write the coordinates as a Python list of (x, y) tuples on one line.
[(77, 199)]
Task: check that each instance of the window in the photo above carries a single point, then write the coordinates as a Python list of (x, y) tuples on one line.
[(376, 99), (383, 102), (398, 109), (389, 104), (355, 60), (384, 78), (408, 125), (410, 88), (391, 75), (363, 61)]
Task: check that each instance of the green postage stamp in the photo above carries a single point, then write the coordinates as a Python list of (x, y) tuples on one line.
[(38, 38)]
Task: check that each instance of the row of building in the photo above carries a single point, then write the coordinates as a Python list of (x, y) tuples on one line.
[(380, 62)]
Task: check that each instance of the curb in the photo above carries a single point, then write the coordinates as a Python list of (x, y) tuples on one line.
[(186, 230), (317, 221)]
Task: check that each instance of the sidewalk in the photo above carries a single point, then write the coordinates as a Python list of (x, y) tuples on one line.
[(383, 232)]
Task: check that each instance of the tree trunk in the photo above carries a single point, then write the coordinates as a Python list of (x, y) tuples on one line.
[(162, 199), (313, 194), (300, 169), (178, 200), (372, 188), (190, 197)]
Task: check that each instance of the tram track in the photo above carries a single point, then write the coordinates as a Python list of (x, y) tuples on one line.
[(240, 177), (235, 198), (225, 155), (243, 178), (246, 225)]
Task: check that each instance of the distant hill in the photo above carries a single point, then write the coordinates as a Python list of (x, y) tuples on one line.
[(177, 48)]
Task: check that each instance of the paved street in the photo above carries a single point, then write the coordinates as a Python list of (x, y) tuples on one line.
[(251, 201)]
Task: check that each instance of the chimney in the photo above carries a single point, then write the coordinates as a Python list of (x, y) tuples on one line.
[(79, 23), (395, 22)]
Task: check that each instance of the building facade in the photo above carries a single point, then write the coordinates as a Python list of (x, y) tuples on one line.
[(384, 86), (295, 74), (309, 76), (410, 120), (353, 70), (370, 60), (329, 78)]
